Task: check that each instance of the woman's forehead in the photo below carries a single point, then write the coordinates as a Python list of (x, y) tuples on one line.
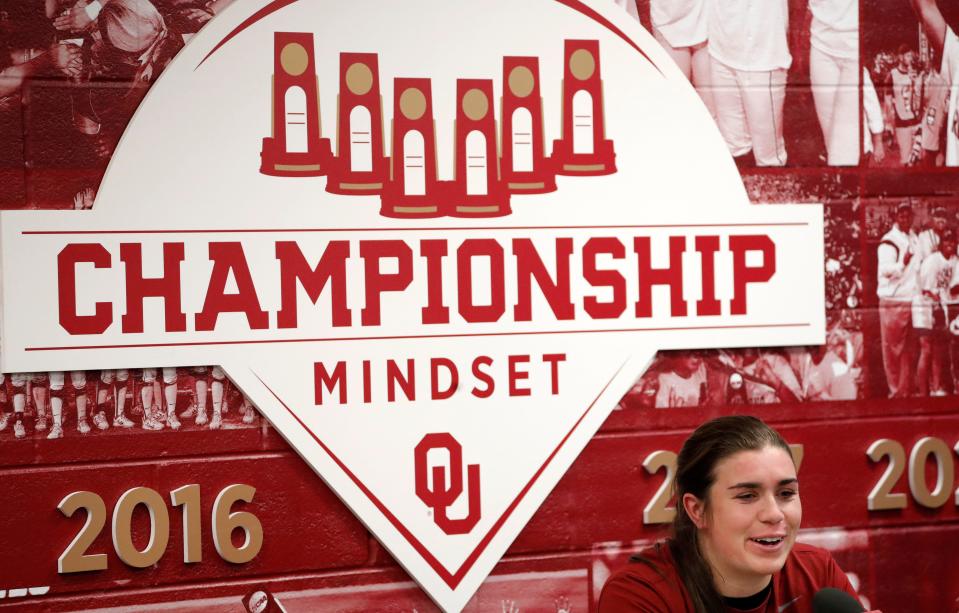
[(768, 465)]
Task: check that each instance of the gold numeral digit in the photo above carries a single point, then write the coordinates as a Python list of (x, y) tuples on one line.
[(957, 489), (74, 559), (881, 498), (945, 470), (657, 511), (159, 527), (225, 522), (798, 452), (188, 497)]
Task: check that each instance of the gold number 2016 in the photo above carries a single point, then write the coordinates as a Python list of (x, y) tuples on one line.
[(74, 559)]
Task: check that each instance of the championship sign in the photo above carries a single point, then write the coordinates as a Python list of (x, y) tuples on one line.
[(434, 242)]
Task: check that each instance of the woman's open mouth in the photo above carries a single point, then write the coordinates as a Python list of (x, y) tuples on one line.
[(769, 543)]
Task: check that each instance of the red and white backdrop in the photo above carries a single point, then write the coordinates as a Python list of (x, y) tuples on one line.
[(877, 458)]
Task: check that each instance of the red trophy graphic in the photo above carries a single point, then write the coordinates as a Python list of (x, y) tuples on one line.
[(525, 168), (477, 190), (583, 149), (359, 167), (412, 189), (295, 148), (484, 177)]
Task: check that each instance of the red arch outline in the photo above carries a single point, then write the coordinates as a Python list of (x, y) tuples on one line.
[(576, 5)]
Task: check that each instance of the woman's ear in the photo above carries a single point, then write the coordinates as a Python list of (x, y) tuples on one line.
[(695, 509)]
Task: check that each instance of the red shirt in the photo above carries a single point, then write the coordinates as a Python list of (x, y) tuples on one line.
[(638, 587)]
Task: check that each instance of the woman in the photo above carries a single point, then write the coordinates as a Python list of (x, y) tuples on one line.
[(680, 27), (734, 542), (749, 62), (131, 44), (834, 76)]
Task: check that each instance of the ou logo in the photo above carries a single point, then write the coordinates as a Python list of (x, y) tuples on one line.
[(444, 492)]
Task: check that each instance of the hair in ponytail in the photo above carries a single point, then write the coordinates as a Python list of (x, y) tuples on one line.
[(711, 443)]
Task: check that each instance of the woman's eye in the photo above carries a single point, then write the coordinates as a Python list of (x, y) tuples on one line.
[(788, 493), (746, 496)]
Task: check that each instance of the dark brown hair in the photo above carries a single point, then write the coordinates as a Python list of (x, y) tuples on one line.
[(711, 443)]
